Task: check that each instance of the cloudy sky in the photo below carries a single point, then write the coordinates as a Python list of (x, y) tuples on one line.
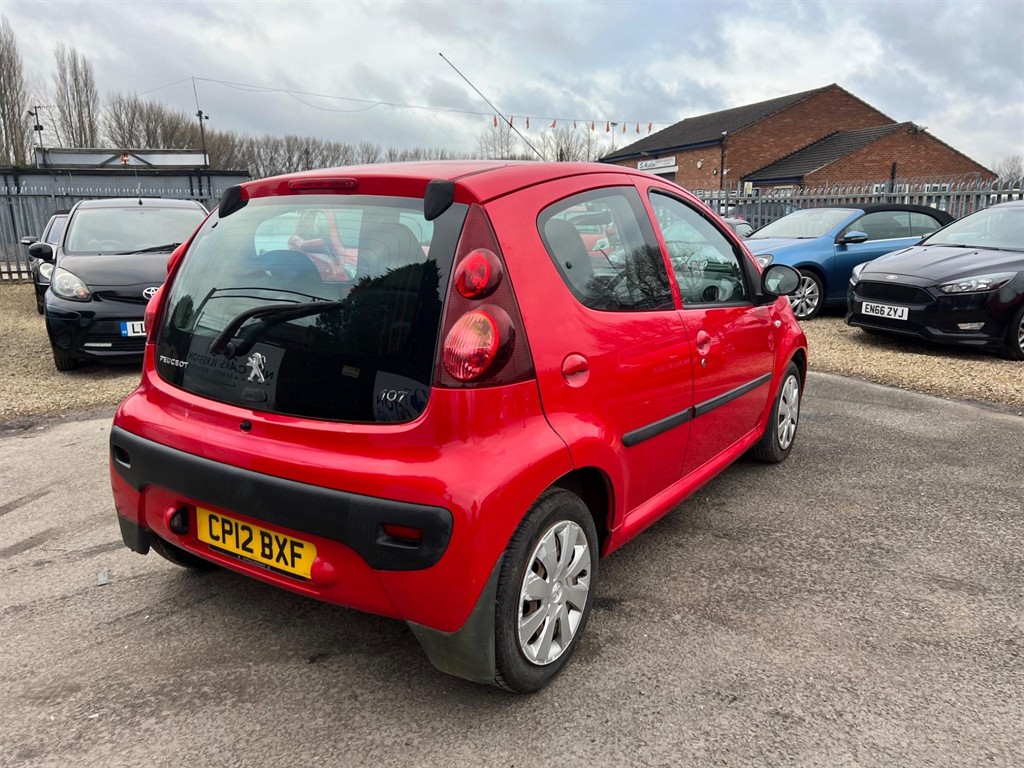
[(354, 71)]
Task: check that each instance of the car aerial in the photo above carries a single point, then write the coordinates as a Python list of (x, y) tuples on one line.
[(41, 269), (111, 260), (962, 285), (825, 244), (454, 434)]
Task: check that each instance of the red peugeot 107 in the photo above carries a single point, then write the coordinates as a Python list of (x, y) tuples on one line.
[(455, 427)]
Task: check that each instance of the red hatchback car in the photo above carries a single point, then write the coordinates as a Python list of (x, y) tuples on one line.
[(453, 432)]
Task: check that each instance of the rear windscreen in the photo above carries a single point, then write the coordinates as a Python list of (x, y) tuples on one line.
[(326, 307)]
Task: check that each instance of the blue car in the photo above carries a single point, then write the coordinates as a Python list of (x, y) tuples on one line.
[(825, 244)]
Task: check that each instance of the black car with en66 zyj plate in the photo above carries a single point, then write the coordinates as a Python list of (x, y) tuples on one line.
[(110, 261), (962, 285)]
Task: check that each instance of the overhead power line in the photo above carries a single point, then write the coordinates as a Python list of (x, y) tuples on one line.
[(369, 104)]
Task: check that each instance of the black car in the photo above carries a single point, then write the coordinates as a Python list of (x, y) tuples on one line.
[(110, 262), (962, 285), (41, 269)]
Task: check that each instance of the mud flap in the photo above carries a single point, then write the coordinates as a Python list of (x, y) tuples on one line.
[(467, 652)]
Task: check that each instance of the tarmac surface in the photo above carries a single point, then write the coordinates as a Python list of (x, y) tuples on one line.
[(860, 604)]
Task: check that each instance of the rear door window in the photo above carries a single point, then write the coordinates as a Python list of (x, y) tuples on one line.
[(318, 306), (605, 249)]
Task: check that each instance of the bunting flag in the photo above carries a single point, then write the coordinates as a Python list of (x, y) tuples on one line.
[(511, 120), (607, 127), (592, 125), (495, 121), (624, 127), (574, 125), (649, 127), (638, 127), (527, 122), (553, 123)]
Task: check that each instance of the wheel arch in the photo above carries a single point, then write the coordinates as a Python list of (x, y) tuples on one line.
[(593, 488)]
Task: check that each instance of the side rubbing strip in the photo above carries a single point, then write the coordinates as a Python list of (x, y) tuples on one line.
[(709, 405), (655, 429)]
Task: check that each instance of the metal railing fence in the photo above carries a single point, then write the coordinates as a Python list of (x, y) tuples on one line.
[(25, 209), (958, 198)]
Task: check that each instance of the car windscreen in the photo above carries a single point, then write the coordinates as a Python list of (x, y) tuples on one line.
[(130, 229), (318, 306), (804, 224), (1000, 228), (56, 230)]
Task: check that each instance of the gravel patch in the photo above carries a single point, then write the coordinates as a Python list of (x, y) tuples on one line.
[(33, 391)]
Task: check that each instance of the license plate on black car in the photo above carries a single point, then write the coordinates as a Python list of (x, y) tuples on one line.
[(885, 310)]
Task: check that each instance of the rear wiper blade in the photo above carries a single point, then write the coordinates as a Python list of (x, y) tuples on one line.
[(279, 313), (151, 249)]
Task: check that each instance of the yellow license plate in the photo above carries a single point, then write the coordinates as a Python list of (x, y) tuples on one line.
[(258, 545)]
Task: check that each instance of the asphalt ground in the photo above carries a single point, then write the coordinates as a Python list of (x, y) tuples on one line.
[(861, 604)]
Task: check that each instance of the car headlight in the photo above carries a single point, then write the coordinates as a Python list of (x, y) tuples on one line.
[(855, 274), (764, 259), (68, 285), (45, 270), (977, 284)]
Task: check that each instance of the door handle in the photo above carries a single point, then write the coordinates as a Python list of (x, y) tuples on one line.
[(703, 343)]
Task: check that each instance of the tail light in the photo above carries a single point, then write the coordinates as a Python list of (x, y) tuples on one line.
[(483, 342), (153, 312)]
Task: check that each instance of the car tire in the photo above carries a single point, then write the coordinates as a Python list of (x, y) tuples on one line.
[(179, 556), (64, 362), (777, 440), (1014, 348), (809, 297), (539, 604)]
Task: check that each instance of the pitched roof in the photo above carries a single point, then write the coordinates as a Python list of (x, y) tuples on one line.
[(709, 128), (822, 153)]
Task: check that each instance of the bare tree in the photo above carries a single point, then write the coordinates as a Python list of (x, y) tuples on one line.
[(78, 102), (563, 145), (1011, 167), (122, 120), (15, 141), (499, 142)]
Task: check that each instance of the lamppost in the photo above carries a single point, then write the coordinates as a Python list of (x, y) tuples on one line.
[(202, 135), (37, 127)]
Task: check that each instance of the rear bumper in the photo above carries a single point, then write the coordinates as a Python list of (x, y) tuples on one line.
[(349, 519)]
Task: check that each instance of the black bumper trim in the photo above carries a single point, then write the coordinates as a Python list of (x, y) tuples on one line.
[(351, 519), (135, 537)]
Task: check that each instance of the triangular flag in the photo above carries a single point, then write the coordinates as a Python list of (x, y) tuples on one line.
[(511, 120), (553, 123), (649, 126), (638, 127), (527, 122), (624, 126), (591, 125), (495, 121), (607, 127), (574, 125)]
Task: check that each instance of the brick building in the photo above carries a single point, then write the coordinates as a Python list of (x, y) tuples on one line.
[(813, 138)]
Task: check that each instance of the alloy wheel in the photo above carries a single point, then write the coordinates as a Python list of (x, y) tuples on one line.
[(553, 592), (789, 411), (807, 297)]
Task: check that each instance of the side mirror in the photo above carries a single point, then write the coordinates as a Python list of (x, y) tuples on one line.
[(29, 239), (175, 257), (853, 236), (42, 251), (780, 280)]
